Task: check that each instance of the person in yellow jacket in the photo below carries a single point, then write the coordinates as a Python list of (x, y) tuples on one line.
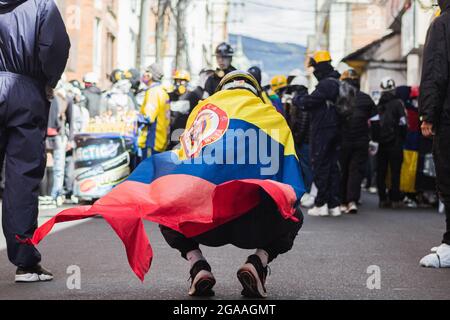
[(154, 116)]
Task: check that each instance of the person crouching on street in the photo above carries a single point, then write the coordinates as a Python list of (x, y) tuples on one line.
[(263, 227)]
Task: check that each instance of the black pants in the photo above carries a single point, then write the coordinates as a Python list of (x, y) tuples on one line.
[(2, 178), (441, 152), (389, 156), (325, 150), (23, 127), (353, 161), (261, 228), (371, 171)]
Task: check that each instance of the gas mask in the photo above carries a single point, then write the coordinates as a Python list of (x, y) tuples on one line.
[(180, 87), (146, 79)]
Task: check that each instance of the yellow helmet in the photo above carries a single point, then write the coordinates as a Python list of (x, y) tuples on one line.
[(320, 56), (278, 82), (182, 75)]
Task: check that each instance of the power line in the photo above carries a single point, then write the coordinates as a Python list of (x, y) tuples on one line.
[(314, 11)]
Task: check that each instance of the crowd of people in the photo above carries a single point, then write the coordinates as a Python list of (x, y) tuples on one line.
[(345, 129), (345, 141)]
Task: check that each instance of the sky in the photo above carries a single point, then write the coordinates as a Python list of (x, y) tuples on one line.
[(288, 21)]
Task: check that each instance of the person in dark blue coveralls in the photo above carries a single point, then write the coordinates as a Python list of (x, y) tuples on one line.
[(34, 48), (325, 138)]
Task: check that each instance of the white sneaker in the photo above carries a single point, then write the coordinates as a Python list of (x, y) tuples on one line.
[(60, 201), (344, 208), (352, 208), (373, 190), (36, 274), (439, 259), (319, 211), (75, 199), (307, 201), (336, 212)]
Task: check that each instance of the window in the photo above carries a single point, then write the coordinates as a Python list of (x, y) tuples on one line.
[(110, 52), (97, 46)]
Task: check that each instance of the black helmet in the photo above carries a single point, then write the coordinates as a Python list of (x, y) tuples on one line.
[(256, 73), (240, 80), (117, 75), (224, 50), (134, 76)]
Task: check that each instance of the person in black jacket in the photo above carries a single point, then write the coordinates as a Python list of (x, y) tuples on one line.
[(93, 95), (355, 144), (299, 121), (325, 135), (182, 102), (203, 77), (434, 109), (34, 49), (390, 132), (224, 56)]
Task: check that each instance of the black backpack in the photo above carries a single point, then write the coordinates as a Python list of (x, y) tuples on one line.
[(346, 101), (388, 126)]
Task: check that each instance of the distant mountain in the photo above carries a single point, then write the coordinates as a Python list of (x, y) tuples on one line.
[(274, 58)]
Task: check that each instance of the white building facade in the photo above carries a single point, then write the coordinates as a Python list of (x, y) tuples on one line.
[(128, 35)]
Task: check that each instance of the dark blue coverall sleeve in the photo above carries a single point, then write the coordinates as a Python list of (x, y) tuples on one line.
[(54, 44)]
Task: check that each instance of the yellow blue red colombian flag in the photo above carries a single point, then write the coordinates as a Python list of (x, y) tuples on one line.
[(234, 147)]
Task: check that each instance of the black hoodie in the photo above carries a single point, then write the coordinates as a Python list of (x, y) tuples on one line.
[(444, 4), (320, 103), (355, 129), (393, 120), (434, 100)]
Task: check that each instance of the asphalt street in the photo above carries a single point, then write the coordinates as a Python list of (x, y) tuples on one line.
[(330, 260)]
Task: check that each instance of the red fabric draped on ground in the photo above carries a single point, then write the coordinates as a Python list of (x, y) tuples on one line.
[(197, 207)]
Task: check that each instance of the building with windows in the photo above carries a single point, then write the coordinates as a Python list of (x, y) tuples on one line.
[(104, 36), (376, 37)]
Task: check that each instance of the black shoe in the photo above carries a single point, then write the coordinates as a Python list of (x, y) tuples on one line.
[(202, 280), (252, 276), (398, 205), (35, 274)]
